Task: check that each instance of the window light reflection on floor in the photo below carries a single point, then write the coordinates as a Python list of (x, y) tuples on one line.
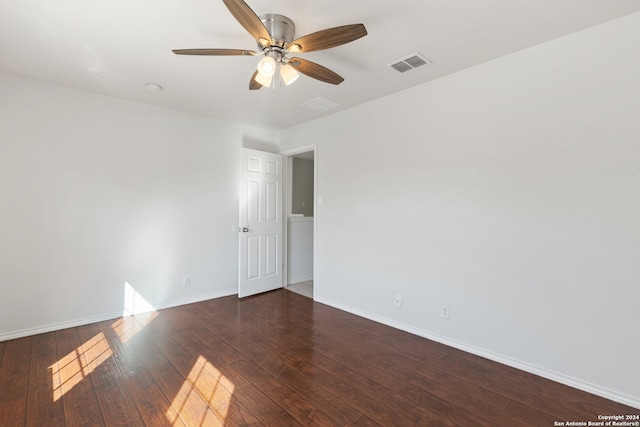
[(205, 390), (128, 327), (70, 370), (80, 363)]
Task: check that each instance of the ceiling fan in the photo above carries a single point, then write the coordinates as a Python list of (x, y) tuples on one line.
[(274, 34)]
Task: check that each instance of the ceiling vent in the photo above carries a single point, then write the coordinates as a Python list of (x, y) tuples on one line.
[(321, 104), (409, 63)]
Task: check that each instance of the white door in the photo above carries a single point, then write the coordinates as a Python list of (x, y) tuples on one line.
[(260, 222)]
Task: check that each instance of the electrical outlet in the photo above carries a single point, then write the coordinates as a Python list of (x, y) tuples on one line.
[(186, 281), (397, 300), (445, 313)]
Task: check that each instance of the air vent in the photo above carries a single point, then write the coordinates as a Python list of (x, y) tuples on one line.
[(402, 67), (321, 104), (409, 63)]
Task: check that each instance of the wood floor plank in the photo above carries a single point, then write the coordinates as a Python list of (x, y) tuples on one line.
[(334, 373), (252, 343), (81, 406), (247, 392), (265, 409), (444, 407), (350, 356), (206, 348), (14, 381), (340, 349), (349, 382), (41, 407), (462, 408), (439, 386), (322, 372), (364, 421), (212, 331), (313, 391), (504, 381), (98, 360), (208, 376), (153, 406), (293, 402), (403, 409), (187, 404), (3, 347)]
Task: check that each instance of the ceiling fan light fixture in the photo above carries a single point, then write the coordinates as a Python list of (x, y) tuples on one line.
[(288, 74), (267, 67), (274, 34), (263, 80)]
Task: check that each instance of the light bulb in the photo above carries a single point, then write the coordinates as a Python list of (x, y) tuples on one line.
[(263, 80), (267, 66), (289, 74)]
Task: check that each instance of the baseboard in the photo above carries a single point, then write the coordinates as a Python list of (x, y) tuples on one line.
[(109, 316), (300, 280), (523, 366), (193, 300), (58, 326)]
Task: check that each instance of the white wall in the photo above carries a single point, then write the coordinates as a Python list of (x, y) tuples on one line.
[(96, 192), (510, 192), (299, 249), (302, 187)]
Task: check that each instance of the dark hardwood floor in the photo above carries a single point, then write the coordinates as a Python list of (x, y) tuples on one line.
[(277, 359)]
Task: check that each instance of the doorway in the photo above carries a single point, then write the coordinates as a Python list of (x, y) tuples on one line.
[(300, 224)]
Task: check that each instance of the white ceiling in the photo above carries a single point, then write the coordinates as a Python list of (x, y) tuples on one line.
[(115, 47)]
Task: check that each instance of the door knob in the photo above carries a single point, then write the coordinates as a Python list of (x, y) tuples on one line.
[(245, 229)]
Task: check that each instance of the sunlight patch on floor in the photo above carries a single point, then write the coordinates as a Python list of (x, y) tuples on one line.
[(204, 388), (77, 365), (128, 327), (70, 370)]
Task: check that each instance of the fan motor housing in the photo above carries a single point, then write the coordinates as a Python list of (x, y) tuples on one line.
[(281, 29)]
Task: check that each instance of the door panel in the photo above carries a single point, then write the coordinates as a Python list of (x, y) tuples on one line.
[(253, 257), (260, 222), (271, 255), (253, 202), (271, 197)]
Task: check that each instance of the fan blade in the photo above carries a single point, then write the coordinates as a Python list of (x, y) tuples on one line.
[(224, 52), (328, 38), (249, 20), (316, 71), (253, 84)]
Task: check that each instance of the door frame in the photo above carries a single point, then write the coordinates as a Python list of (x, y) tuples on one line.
[(288, 153)]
